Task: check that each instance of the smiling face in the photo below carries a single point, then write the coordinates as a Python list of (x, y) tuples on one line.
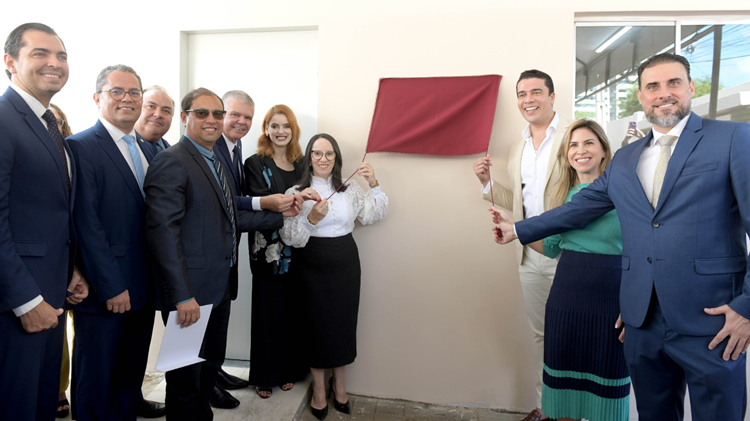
[(41, 68), (205, 131), (121, 113), (279, 131), (585, 154), (665, 94), (239, 119), (156, 115), (535, 102), (322, 167)]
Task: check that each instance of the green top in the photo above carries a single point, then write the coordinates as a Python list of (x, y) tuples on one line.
[(603, 236)]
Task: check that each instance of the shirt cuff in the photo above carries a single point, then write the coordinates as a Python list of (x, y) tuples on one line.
[(25, 308), (514, 232), (256, 203), (184, 301), (486, 189)]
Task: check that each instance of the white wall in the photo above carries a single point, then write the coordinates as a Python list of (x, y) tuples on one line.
[(442, 317)]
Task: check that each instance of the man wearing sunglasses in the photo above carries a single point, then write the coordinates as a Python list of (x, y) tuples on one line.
[(113, 328), (192, 227)]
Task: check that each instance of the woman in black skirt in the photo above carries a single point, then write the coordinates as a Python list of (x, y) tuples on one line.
[(326, 262), (275, 167), (585, 376)]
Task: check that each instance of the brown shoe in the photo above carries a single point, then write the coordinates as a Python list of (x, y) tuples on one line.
[(536, 415)]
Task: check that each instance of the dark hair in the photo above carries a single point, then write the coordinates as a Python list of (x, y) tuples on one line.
[(14, 42), (307, 174), (101, 79), (187, 101), (537, 74), (293, 149), (662, 59)]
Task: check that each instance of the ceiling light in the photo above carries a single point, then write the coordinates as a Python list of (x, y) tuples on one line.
[(613, 38)]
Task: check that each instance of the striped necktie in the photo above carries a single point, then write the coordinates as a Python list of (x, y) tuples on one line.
[(228, 200), (661, 167)]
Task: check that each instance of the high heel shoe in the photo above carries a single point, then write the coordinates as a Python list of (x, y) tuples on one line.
[(341, 407), (319, 413)]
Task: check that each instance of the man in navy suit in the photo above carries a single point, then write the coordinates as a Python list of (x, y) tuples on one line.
[(685, 292), (37, 243), (113, 327), (192, 227), (156, 118)]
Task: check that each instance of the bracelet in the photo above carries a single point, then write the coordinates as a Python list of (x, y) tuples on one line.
[(310, 221), (377, 183)]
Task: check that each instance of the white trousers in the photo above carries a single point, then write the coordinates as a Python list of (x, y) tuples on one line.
[(536, 272)]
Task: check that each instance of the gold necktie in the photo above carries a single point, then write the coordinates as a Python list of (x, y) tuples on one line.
[(661, 167)]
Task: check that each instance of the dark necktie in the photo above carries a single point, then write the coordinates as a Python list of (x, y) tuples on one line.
[(54, 132), (238, 169), (228, 200), (159, 146)]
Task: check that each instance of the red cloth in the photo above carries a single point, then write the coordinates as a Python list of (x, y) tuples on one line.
[(434, 115)]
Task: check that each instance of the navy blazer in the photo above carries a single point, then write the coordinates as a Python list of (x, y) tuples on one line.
[(150, 145), (691, 248), (222, 152), (110, 215), (188, 227), (37, 243)]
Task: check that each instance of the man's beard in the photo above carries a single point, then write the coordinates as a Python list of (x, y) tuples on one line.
[(668, 120)]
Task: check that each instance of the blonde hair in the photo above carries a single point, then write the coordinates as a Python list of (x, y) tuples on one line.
[(569, 176)]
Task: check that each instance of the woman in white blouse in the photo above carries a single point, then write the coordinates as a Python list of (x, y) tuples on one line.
[(327, 262)]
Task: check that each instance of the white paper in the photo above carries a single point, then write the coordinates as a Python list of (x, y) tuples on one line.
[(180, 346)]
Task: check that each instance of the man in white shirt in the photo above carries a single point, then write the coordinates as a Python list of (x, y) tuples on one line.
[(37, 244), (533, 171)]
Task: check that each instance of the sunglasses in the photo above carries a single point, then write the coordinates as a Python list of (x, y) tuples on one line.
[(202, 113)]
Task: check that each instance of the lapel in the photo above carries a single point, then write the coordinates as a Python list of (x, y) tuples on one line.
[(222, 152), (41, 132), (148, 148), (552, 162), (686, 143), (208, 172), (107, 144)]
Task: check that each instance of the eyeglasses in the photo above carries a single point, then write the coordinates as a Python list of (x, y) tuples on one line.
[(202, 113), (330, 155), (119, 94)]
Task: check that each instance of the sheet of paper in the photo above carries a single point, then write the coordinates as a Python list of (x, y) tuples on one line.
[(180, 346)]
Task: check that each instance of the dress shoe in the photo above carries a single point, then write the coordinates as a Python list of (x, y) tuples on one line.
[(150, 409), (220, 398), (341, 407), (320, 414), (229, 382)]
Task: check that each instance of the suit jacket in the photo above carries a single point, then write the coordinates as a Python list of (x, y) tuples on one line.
[(691, 248), (110, 215), (222, 152), (256, 181), (188, 227), (37, 242), (512, 199)]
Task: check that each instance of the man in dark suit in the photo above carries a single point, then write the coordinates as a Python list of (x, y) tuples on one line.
[(192, 226), (113, 328), (156, 118), (682, 194), (37, 243)]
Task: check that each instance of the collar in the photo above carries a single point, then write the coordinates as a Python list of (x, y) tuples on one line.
[(113, 131), (202, 149), (552, 128), (33, 103), (675, 131)]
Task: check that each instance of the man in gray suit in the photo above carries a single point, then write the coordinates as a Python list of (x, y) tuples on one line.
[(192, 226)]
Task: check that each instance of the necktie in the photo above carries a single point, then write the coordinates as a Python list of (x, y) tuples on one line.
[(159, 146), (228, 201), (54, 132), (661, 167), (137, 163), (237, 168)]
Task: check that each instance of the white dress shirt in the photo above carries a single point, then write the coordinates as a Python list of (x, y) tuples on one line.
[(122, 145), (650, 157), (534, 169)]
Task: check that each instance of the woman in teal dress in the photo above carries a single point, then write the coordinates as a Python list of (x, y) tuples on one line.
[(585, 376)]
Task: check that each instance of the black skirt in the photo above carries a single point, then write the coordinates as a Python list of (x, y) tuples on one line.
[(329, 272)]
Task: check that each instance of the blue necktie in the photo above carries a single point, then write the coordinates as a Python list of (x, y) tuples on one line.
[(159, 146), (228, 201), (137, 163)]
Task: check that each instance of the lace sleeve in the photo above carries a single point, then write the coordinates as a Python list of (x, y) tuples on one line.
[(372, 206), (296, 230)]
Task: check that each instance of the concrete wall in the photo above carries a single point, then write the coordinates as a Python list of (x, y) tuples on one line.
[(442, 318)]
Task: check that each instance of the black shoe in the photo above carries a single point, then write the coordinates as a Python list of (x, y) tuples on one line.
[(150, 409), (341, 407), (229, 382), (220, 398), (319, 413)]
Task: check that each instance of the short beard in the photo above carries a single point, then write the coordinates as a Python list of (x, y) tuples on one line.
[(669, 120)]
